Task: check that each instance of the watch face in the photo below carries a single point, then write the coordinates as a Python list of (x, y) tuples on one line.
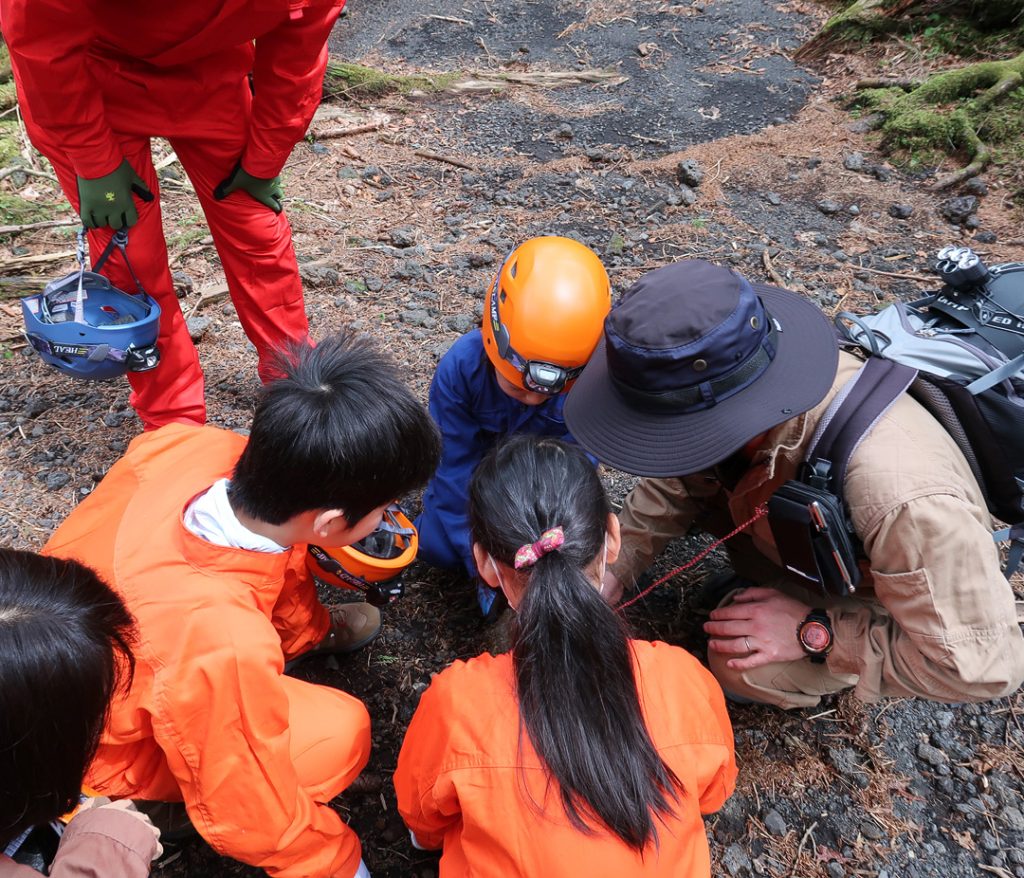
[(815, 637)]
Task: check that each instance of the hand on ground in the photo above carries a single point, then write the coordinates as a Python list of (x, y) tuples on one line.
[(759, 625)]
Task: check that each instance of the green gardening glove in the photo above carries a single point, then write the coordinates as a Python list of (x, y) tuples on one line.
[(268, 192), (107, 201)]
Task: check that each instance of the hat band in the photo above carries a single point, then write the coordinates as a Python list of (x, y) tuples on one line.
[(707, 394)]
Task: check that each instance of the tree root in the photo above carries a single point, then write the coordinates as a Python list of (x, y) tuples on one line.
[(862, 20), (918, 113)]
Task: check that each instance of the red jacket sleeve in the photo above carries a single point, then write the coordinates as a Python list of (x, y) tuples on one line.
[(48, 41), (288, 76)]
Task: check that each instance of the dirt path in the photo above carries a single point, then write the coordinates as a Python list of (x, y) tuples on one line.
[(402, 246)]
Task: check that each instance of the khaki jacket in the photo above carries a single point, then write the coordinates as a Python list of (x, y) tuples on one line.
[(935, 618)]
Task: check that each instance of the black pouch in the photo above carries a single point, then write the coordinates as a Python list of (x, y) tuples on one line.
[(810, 531)]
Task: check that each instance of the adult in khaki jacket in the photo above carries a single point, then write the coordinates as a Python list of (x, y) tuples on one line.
[(715, 387)]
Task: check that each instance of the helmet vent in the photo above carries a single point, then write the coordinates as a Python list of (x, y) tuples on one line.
[(512, 270)]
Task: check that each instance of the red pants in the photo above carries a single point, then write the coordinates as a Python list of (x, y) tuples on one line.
[(254, 244)]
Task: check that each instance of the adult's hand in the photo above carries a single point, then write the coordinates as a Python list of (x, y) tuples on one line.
[(107, 201), (265, 191), (759, 625)]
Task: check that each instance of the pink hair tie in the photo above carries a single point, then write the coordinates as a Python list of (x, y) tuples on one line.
[(529, 554)]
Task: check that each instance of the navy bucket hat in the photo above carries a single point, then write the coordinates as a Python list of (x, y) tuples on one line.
[(694, 363)]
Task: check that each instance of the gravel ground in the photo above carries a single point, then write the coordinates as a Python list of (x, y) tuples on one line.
[(717, 146)]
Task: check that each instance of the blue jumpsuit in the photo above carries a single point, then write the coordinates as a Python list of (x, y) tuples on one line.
[(472, 413)]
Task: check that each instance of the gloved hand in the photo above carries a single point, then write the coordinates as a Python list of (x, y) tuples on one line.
[(268, 192), (127, 806), (107, 201)]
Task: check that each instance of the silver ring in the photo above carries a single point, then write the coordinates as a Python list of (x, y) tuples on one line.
[(746, 643)]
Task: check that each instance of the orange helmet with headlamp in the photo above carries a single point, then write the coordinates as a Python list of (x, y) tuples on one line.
[(545, 313)]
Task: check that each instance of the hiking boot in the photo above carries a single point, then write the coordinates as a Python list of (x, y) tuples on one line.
[(353, 626), (170, 818), (492, 602)]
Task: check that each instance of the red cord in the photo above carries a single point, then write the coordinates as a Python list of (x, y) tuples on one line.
[(759, 513)]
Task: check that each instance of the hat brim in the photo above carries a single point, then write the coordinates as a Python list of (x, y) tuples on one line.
[(664, 444)]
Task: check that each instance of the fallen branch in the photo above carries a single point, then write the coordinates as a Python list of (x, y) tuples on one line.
[(46, 224), (348, 132), (902, 276), (19, 287), (40, 259), (800, 848), (205, 298), (450, 18), (29, 172), (773, 275), (458, 163)]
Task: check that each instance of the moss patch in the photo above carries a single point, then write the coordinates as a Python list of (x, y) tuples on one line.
[(343, 78)]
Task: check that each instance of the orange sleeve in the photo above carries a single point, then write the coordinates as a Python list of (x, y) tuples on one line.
[(429, 808), (288, 76), (48, 42), (718, 775), (299, 617), (222, 720)]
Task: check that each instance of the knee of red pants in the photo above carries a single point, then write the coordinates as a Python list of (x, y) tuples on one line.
[(330, 737)]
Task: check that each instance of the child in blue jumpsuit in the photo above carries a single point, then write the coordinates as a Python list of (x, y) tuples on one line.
[(543, 317)]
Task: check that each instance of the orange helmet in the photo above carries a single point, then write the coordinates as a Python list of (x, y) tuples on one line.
[(375, 564), (545, 312)]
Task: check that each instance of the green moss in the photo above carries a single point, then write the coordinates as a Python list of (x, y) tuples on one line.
[(10, 142), (14, 210), (343, 78)]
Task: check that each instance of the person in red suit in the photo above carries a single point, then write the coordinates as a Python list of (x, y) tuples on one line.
[(233, 86)]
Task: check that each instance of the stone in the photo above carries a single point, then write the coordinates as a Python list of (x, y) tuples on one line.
[(901, 211), (813, 163), (461, 323), (986, 237), (736, 861), (183, 284), (403, 236), (198, 327), (854, 161), (828, 207), (347, 173), (976, 186), (374, 284), (881, 173), (690, 173), (417, 317), (480, 260), (835, 870), (115, 419), (956, 210), (972, 222), (687, 196), (319, 148), (871, 830), (409, 270), (774, 823), (55, 481), (318, 275), (1013, 818), (564, 131), (932, 755), (853, 210), (773, 198)]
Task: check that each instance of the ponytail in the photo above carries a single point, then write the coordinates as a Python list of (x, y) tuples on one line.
[(575, 682)]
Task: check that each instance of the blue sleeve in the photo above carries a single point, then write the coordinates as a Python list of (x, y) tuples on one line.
[(444, 523)]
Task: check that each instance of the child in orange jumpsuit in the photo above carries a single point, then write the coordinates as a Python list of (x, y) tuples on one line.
[(582, 752), (203, 533)]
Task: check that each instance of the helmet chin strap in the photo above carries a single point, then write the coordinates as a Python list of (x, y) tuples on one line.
[(600, 578)]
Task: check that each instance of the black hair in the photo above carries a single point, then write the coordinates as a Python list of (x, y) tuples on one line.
[(65, 646), (338, 430), (577, 692)]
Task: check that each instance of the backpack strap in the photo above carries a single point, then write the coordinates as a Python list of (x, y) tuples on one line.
[(1015, 537), (850, 417)]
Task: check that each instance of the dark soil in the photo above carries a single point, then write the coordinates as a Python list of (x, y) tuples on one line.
[(402, 247)]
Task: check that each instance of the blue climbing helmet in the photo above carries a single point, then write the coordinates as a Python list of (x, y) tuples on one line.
[(88, 328)]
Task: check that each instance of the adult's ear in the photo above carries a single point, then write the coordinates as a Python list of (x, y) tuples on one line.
[(613, 534)]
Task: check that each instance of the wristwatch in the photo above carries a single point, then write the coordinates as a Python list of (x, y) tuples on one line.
[(815, 635)]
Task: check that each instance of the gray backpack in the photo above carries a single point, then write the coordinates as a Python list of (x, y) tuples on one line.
[(966, 345)]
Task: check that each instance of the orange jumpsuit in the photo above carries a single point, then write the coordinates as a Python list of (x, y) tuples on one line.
[(97, 79), (460, 775), (210, 719)]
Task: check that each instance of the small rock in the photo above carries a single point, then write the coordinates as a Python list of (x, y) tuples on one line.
[(415, 318), (1013, 818), (197, 327), (319, 275), (690, 173), (872, 831), (183, 284), (881, 173), (374, 284), (736, 861), (944, 719), (774, 823), (972, 222), (901, 211), (439, 350), (687, 196), (319, 148), (854, 161), (835, 870), (646, 49), (988, 841), (115, 419), (956, 210), (985, 237), (813, 163), (403, 236), (347, 173), (616, 245), (461, 322), (828, 207), (853, 210), (54, 481), (409, 270), (479, 260), (976, 186), (564, 131), (773, 198), (932, 755)]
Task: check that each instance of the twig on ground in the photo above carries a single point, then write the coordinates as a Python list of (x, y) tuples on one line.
[(205, 298), (897, 274), (450, 18), (448, 160), (347, 132), (800, 848), (773, 275), (31, 172), (40, 259), (47, 224)]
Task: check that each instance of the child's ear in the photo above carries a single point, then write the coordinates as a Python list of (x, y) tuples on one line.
[(483, 566), (614, 536), (327, 522)]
